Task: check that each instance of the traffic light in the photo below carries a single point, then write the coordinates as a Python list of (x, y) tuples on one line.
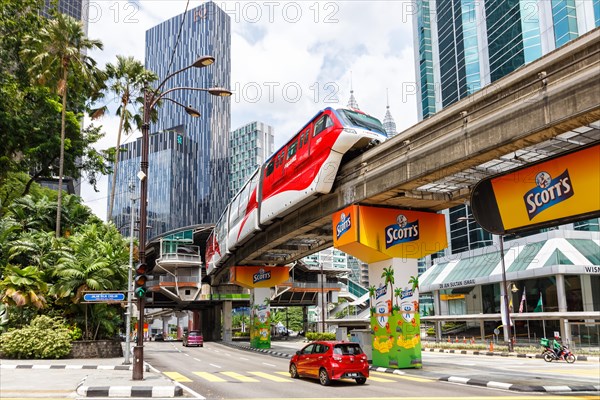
[(140, 280)]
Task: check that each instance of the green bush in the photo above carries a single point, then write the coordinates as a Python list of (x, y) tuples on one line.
[(45, 337), (311, 336), (241, 334)]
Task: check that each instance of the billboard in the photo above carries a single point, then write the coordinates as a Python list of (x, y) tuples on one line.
[(561, 189)]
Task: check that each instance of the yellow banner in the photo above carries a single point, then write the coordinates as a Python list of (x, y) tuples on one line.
[(376, 233), (561, 187), (258, 276), (447, 297)]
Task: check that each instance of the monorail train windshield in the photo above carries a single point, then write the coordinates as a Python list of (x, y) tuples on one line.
[(360, 120)]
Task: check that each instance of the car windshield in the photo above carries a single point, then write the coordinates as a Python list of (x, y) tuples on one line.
[(194, 334), (361, 120), (347, 349)]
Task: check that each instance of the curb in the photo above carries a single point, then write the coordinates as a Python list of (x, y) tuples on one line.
[(504, 354), (502, 385), (266, 351), (129, 391), (68, 366)]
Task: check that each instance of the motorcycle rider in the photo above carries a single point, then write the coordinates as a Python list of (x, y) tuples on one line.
[(558, 348)]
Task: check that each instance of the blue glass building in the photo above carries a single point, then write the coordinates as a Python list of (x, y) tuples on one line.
[(462, 45), (188, 157)]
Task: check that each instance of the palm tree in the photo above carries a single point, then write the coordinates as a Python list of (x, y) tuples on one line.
[(388, 274), (372, 291), (58, 48), (127, 80)]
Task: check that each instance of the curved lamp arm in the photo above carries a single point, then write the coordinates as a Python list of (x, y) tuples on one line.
[(191, 111), (215, 91)]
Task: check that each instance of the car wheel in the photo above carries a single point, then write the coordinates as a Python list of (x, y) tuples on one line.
[(294, 371), (324, 377), (361, 381), (201, 345)]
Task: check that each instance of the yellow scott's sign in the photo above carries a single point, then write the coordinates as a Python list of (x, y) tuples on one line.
[(562, 189)]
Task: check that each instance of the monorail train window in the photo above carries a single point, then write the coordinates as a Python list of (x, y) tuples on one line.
[(279, 159), (304, 138), (270, 168), (292, 149), (322, 124)]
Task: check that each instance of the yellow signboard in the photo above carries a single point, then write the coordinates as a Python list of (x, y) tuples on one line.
[(376, 233), (562, 189), (258, 276), (446, 297)]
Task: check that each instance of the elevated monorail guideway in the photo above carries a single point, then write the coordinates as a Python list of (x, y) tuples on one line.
[(545, 108)]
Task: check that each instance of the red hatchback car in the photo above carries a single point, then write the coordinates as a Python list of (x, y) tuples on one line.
[(330, 360), (193, 338)]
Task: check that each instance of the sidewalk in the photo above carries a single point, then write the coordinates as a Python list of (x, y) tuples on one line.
[(287, 348), (97, 377)]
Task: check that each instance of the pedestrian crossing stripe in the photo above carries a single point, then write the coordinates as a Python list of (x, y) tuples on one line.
[(239, 377), (214, 377), (209, 377), (177, 377), (403, 377), (269, 376)]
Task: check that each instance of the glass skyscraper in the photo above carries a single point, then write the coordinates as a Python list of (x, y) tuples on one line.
[(462, 45), (249, 146), (188, 180)]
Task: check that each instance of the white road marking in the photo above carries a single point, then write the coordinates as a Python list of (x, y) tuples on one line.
[(216, 366), (270, 365)]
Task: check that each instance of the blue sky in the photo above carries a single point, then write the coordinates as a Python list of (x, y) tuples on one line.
[(289, 59)]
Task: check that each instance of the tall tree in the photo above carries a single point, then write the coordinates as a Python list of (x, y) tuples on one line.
[(58, 48), (126, 80)]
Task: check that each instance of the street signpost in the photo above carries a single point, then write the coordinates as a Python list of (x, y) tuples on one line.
[(103, 297)]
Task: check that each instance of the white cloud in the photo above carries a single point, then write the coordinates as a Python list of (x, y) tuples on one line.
[(289, 59)]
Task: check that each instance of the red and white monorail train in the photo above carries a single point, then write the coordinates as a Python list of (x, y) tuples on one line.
[(303, 168)]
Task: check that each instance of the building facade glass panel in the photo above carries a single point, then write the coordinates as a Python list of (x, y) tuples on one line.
[(188, 180), (565, 21)]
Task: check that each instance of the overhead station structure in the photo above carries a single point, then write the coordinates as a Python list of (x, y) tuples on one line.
[(391, 240)]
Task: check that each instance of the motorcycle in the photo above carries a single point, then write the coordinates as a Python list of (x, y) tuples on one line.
[(550, 354)]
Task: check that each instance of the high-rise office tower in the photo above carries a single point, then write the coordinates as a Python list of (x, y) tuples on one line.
[(188, 180), (249, 146), (462, 45)]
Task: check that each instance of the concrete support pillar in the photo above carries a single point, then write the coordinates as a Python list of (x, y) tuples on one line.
[(396, 320), (565, 329), (165, 325), (260, 318), (305, 319), (322, 304), (482, 330), (227, 320), (437, 307)]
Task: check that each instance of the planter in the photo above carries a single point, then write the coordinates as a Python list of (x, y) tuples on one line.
[(96, 349)]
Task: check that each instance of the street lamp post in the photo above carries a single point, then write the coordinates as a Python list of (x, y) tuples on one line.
[(504, 292), (151, 98), (129, 278)]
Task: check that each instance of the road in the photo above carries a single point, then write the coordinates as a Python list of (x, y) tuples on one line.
[(216, 371)]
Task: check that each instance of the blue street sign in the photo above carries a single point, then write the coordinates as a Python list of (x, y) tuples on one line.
[(104, 297)]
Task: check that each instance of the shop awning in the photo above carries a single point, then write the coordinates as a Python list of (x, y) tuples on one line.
[(570, 254)]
